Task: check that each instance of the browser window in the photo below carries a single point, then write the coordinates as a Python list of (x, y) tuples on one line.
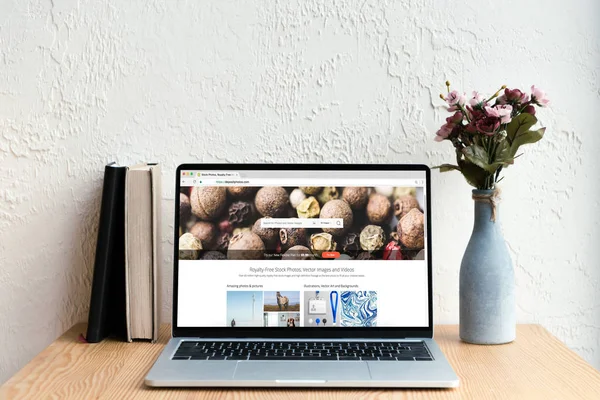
[(302, 249)]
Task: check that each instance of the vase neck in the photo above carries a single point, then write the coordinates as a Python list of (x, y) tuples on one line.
[(486, 208)]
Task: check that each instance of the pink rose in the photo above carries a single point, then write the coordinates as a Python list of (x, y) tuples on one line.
[(538, 96), (476, 99), (474, 113), (455, 119), (503, 112), (488, 125), (472, 127), (513, 96), (529, 110), (455, 100), (444, 132)]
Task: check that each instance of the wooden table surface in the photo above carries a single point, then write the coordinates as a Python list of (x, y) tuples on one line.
[(536, 365)]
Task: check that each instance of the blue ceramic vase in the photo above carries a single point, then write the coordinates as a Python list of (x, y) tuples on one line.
[(487, 280)]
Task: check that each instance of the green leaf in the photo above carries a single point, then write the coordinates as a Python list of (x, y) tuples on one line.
[(519, 125), (526, 138), (474, 175), (478, 156), (447, 167), (503, 152), (504, 155)]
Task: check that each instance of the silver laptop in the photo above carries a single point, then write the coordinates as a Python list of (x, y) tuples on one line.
[(302, 275)]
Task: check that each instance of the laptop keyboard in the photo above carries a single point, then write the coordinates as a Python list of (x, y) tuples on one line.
[(324, 351)]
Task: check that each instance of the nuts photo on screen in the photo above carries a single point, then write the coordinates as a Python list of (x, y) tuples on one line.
[(301, 223)]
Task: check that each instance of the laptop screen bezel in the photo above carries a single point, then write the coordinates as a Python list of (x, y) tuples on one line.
[(304, 332)]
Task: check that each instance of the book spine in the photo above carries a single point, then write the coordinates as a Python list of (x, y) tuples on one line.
[(156, 251), (107, 253)]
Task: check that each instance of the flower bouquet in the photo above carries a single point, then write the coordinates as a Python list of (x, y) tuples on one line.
[(487, 132)]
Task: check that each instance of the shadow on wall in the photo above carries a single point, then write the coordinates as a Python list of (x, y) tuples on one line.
[(81, 268)]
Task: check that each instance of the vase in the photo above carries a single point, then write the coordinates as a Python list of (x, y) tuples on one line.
[(487, 280)]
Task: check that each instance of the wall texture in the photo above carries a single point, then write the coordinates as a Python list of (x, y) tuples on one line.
[(85, 82)]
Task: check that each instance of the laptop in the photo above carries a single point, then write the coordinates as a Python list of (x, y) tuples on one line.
[(291, 275)]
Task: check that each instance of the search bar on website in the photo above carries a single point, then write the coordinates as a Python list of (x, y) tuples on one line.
[(302, 223)]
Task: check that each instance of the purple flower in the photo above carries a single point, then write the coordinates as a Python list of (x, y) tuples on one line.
[(503, 112), (474, 113), (529, 110), (488, 125), (444, 132), (456, 118), (513, 96), (455, 100), (538, 96), (451, 123), (476, 99)]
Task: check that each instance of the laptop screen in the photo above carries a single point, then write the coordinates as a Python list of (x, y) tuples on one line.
[(302, 249)]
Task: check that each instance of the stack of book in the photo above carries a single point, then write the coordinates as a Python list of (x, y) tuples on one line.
[(124, 300)]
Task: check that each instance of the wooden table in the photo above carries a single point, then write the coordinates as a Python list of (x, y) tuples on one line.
[(536, 365)]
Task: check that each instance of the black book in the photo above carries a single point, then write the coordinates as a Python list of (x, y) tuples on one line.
[(107, 315)]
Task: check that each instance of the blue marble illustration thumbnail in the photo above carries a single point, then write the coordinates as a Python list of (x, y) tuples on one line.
[(359, 309)]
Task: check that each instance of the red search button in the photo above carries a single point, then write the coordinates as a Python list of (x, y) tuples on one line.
[(330, 254)]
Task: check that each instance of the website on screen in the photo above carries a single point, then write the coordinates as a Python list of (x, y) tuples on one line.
[(302, 249)]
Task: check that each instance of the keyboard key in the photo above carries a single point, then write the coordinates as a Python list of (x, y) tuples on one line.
[(180, 358), (182, 354), (423, 359), (277, 358), (237, 357), (330, 357)]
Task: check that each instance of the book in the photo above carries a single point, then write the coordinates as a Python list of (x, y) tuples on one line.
[(124, 299), (107, 303), (142, 217)]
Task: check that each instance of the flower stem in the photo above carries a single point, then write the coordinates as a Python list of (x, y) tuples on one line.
[(496, 94), (523, 108), (464, 111)]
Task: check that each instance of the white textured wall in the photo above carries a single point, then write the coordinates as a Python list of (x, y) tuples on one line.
[(85, 82)]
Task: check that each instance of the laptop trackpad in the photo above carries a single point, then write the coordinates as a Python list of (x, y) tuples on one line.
[(301, 370)]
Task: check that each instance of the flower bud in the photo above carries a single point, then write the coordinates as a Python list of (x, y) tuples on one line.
[(529, 110)]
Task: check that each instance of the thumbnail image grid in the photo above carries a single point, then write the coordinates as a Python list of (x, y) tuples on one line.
[(340, 308), (244, 308), (282, 319), (277, 301)]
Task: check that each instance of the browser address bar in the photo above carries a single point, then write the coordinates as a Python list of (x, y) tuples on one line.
[(305, 181), (302, 223)]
